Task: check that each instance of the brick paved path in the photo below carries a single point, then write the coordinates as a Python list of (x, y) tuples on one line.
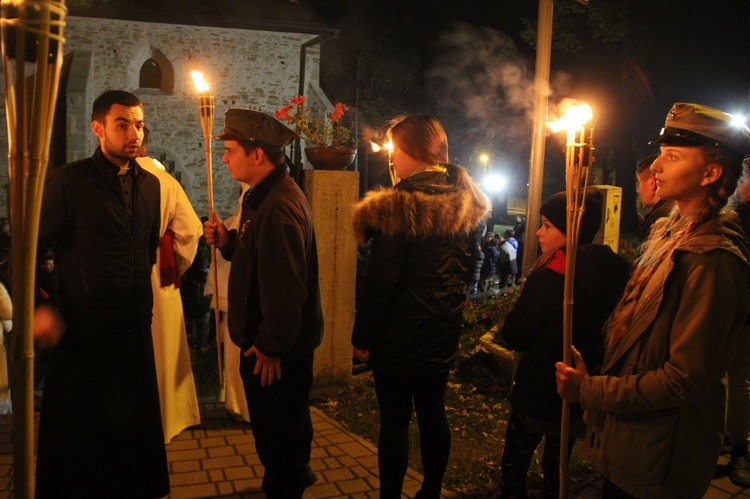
[(218, 459)]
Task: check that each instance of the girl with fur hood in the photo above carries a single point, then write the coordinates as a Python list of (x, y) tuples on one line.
[(423, 233), (656, 411)]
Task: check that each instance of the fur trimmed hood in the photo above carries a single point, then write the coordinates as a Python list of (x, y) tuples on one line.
[(423, 210)]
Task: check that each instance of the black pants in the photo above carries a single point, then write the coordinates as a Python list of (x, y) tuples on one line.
[(280, 420), (395, 396), (520, 444)]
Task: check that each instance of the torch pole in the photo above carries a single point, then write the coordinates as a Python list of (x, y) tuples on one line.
[(577, 164), (30, 113), (206, 108)]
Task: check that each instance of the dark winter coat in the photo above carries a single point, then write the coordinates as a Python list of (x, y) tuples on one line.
[(100, 431), (535, 326), (273, 291), (491, 258), (423, 250)]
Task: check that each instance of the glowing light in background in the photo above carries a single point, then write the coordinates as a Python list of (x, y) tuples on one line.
[(495, 182), (738, 120)]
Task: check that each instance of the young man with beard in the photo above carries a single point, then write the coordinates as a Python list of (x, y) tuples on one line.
[(100, 431)]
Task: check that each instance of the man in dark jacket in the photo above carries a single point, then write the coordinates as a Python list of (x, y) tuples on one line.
[(274, 298), (100, 431)]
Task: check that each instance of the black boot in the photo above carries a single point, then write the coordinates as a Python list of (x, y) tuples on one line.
[(739, 465)]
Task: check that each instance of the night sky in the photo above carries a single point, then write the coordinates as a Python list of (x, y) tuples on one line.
[(467, 63)]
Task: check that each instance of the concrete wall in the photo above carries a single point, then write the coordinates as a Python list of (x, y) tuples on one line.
[(332, 196)]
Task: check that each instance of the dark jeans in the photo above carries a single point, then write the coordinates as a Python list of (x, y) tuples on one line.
[(395, 395), (520, 444), (280, 420)]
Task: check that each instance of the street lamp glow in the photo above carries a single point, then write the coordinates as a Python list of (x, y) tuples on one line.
[(738, 120), (484, 159), (495, 183)]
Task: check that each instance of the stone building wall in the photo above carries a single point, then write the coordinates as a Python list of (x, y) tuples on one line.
[(245, 68)]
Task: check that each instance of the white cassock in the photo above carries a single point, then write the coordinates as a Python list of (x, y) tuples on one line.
[(6, 325), (234, 391), (174, 372)]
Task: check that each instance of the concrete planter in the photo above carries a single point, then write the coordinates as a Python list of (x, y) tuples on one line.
[(330, 158), (505, 358)]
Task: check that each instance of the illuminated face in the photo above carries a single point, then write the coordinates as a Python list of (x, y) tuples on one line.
[(646, 188), (550, 236), (48, 265), (120, 133), (683, 174), (243, 167)]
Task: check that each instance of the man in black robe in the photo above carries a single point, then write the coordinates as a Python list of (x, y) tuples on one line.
[(100, 432)]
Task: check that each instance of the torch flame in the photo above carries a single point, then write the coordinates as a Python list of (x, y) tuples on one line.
[(574, 116), (199, 82)]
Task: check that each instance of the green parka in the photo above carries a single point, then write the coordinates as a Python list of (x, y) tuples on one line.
[(656, 413)]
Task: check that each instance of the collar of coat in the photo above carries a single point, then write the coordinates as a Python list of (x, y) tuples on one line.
[(723, 232), (255, 196), (102, 161), (428, 204), (109, 171)]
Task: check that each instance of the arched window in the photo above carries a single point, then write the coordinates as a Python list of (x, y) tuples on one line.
[(156, 74), (150, 75)]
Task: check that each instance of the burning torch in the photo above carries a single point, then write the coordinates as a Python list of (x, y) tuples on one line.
[(578, 158), (388, 148), (206, 112)]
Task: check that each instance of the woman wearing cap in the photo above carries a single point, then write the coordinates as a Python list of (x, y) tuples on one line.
[(423, 233), (535, 326), (656, 411)]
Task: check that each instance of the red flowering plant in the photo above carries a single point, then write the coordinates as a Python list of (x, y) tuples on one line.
[(326, 132)]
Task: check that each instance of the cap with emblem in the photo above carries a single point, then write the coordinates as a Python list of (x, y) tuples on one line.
[(697, 125), (257, 127)]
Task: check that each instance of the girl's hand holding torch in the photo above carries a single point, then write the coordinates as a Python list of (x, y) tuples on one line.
[(569, 379)]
